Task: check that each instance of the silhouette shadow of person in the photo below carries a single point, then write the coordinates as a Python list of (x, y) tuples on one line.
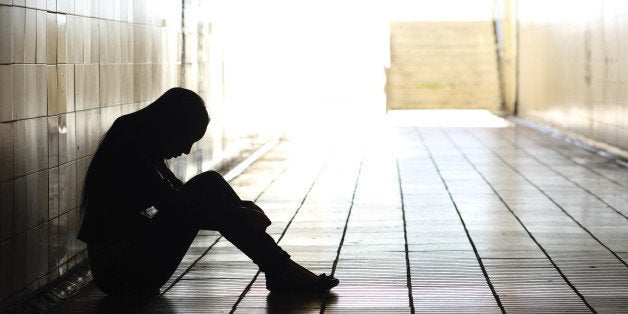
[(133, 253)]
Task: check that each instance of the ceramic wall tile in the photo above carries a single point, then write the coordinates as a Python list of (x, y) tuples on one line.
[(116, 85), (36, 199), (41, 136), (20, 211), (79, 86), (41, 89), (80, 171), (102, 40), (53, 244), (62, 87), (30, 146), (7, 151), (75, 188), (7, 208), (72, 246), (87, 40), (7, 266), (51, 89), (63, 238), (62, 40), (67, 144), (41, 43), (51, 38), (70, 38), (113, 42), (79, 7), (93, 131), (70, 88), (53, 141), (95, 40), (137, 47), (19, 148), (18, 19), (19, 261), (80, 133), (103, 86), (6, 36), (30, 92), (63, 188), (6, 93), (91, 86), (51, 5), (37, 252), (78, 38), (54, 183), (18, 73), (30, 37)]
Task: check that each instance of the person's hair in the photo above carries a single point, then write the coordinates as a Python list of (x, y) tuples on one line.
[(178, 112)]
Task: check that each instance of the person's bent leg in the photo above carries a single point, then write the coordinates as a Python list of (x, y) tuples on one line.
[(146, 262), (221, 209)]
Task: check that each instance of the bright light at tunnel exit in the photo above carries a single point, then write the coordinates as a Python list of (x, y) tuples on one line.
[(316, 68)]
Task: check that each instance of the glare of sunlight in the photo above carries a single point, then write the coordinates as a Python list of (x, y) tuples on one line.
[(458, 118), (315, 68)]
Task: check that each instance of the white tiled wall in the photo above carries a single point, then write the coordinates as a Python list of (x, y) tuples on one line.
[(68, 68), (573, 67)]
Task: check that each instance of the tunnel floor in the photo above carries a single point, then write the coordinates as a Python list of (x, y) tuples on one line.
[(420, 219)]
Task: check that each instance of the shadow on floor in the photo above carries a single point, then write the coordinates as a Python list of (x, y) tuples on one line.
[(281, 302)]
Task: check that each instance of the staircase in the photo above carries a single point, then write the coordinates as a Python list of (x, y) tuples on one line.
[(443, 65)]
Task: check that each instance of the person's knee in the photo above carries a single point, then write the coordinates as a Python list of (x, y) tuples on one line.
[(204, 180), (212, 175)]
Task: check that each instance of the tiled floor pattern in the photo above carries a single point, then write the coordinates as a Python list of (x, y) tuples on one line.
[(422, 219)]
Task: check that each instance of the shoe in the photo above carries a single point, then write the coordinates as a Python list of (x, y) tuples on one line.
[(322, 283)]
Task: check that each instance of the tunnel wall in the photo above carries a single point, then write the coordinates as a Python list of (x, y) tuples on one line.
[(573, 70), (68, 69)]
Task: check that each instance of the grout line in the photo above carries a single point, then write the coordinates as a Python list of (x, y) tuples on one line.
[(552, 200), (616, 154), (187, 270), (567, 157), (548, 166), (250, 284), (307, 193), (237, 170), (520, 222), (570, 180), (344, 232), (464, 225), (405, 238)]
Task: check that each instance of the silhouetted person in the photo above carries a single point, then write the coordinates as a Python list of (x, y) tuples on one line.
[(131, 253)]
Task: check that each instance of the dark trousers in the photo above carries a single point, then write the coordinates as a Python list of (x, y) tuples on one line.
[(148, 261)]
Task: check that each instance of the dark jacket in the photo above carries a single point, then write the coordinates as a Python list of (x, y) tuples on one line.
[(124, 182)]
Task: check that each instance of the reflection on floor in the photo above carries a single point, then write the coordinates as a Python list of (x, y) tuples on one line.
[(426, 219)]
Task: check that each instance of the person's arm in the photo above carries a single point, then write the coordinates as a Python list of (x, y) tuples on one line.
[(142, 178)]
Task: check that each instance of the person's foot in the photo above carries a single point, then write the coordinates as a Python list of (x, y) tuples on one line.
[(296, 278)]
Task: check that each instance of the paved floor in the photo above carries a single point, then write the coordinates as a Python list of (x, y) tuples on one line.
[(422, 219)]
